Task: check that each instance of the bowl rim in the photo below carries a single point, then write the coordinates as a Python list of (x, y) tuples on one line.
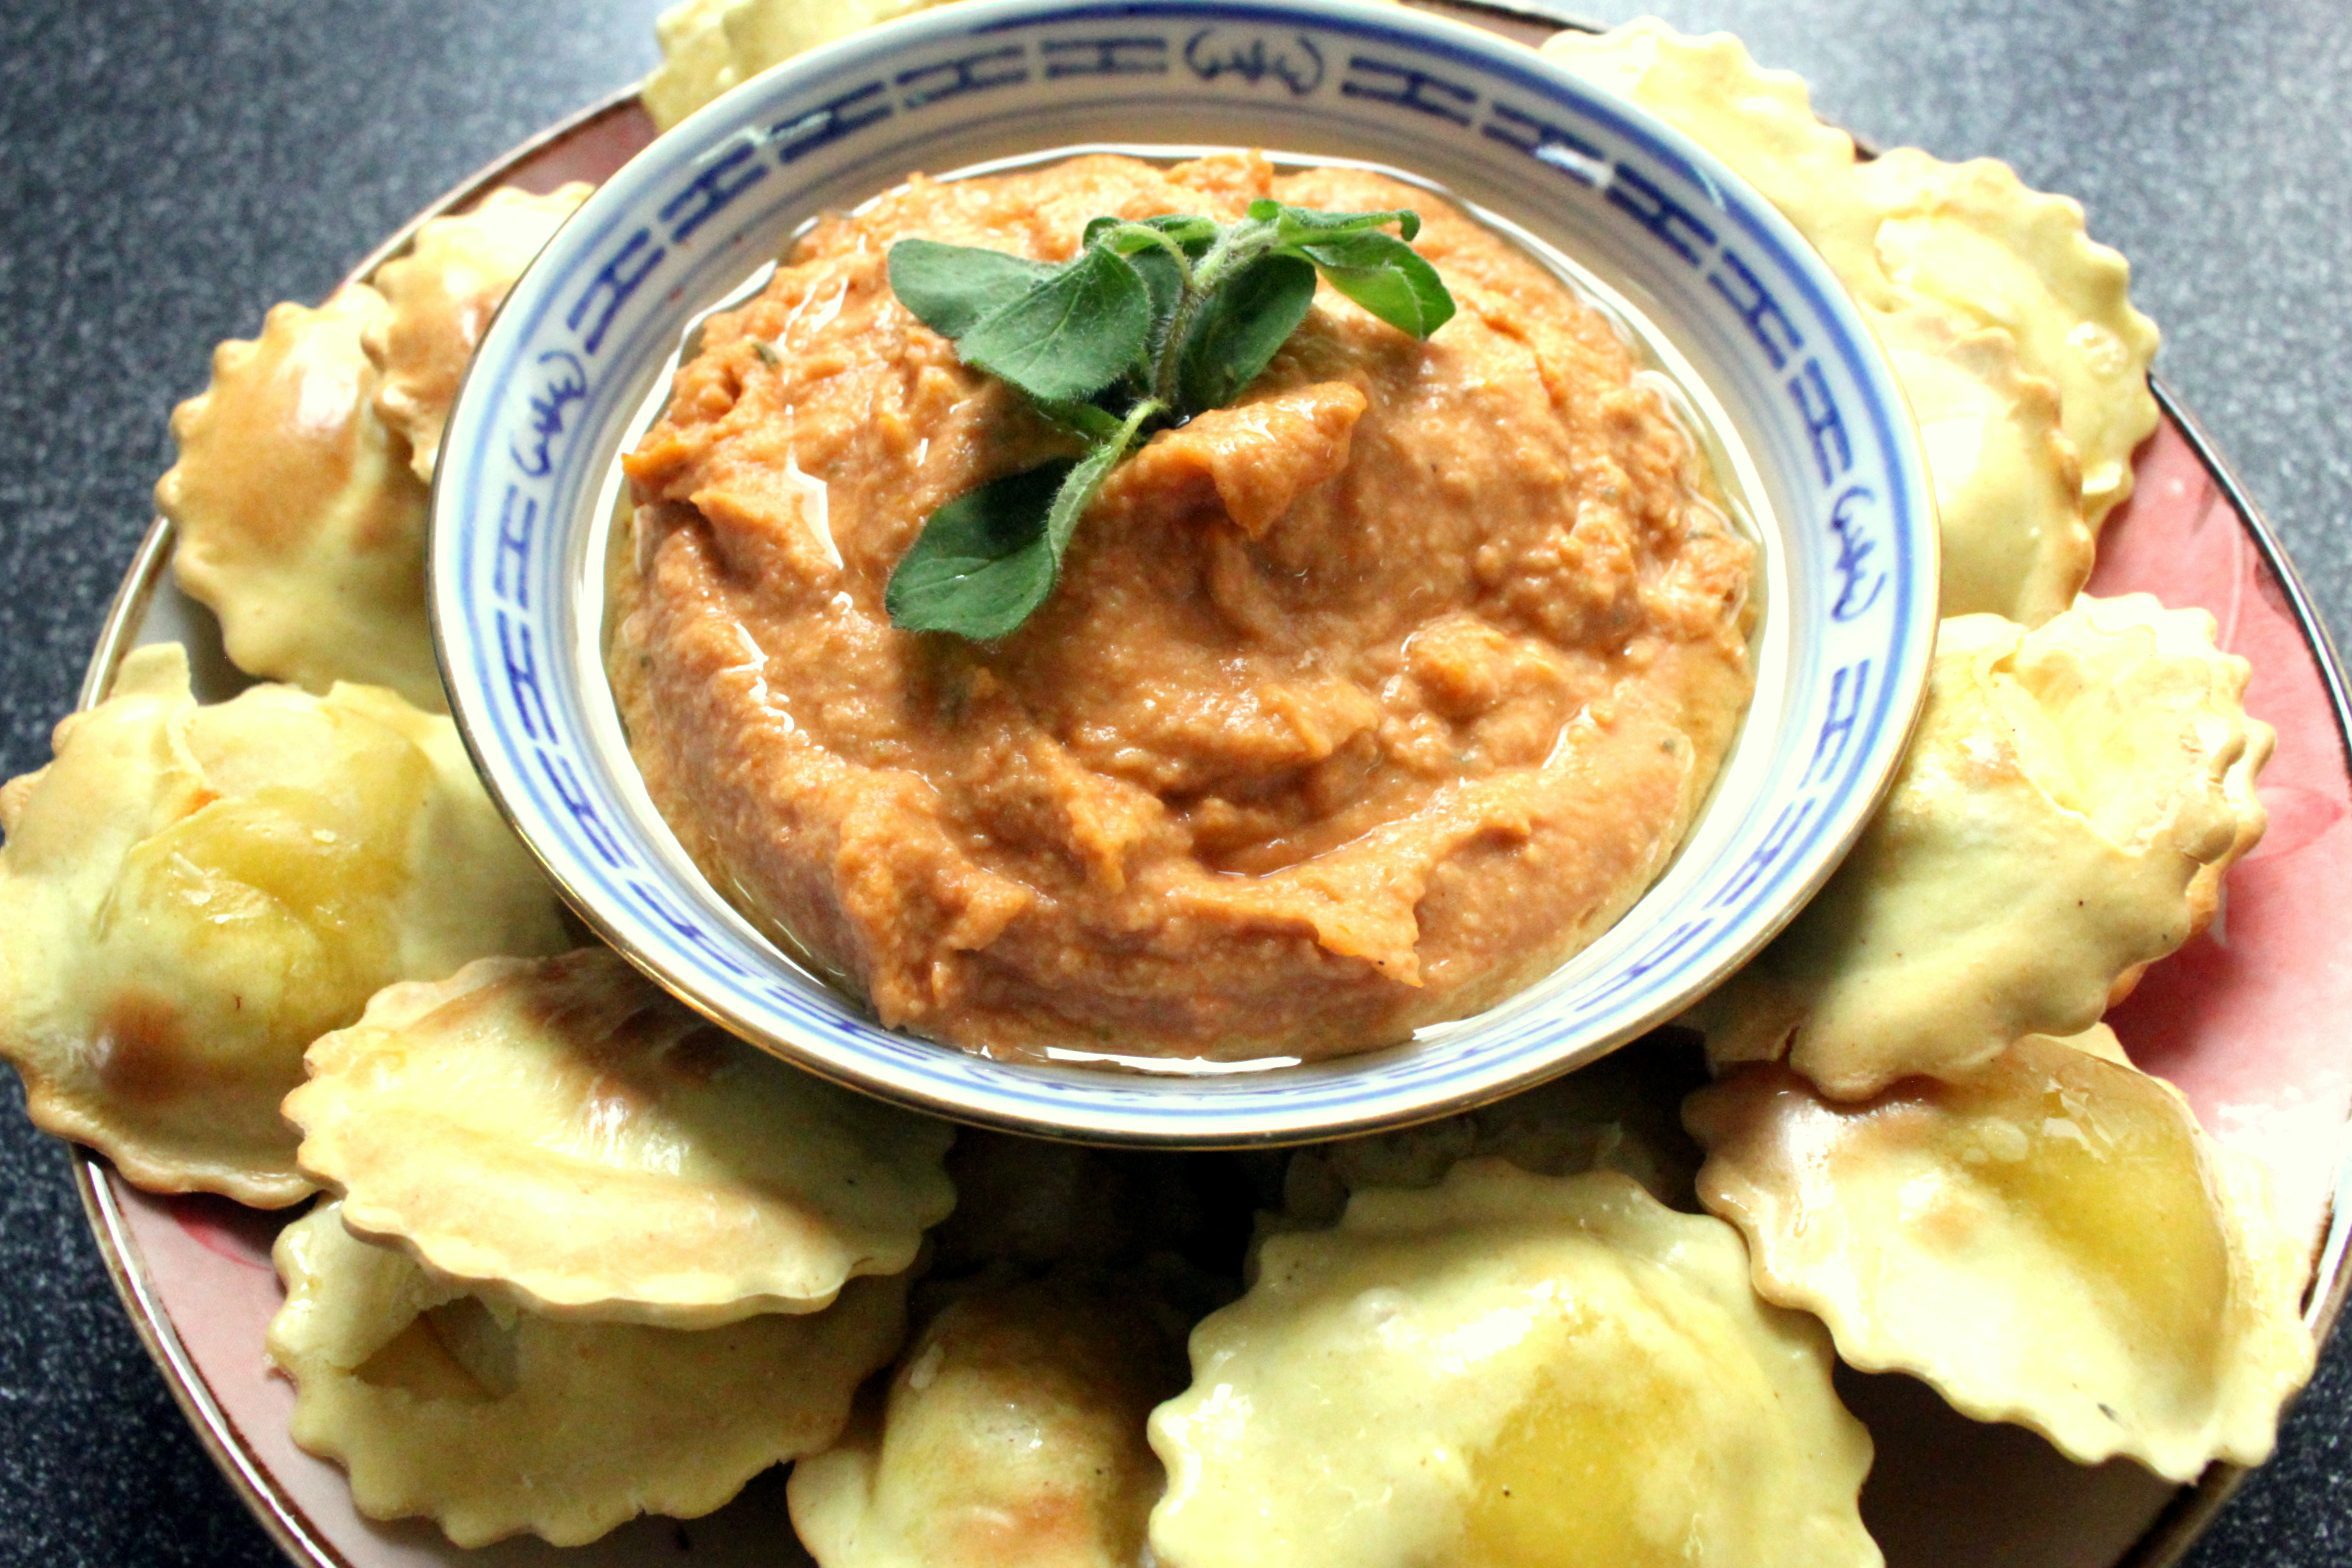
[(1175, 1123)]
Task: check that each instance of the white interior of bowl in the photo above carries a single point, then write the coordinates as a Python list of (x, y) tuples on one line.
[(1743, 771)]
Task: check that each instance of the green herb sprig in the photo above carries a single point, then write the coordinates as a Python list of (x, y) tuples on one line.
[(1151, 323)]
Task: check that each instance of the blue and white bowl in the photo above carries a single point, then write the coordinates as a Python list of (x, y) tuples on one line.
[(1723, 288)]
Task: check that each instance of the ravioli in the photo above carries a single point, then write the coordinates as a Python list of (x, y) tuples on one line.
[(562, 1135), (2064, 817), (1509, 1371), (1975, 237), (299, 523), (2048, 1240), (190, 895), (709, 46), (1614, 1115), (2008, 486), (697, 63), (494, 1423), (1969, 247), (1027, 1203), (1759, 122), (441, 295), (1012, 1433)]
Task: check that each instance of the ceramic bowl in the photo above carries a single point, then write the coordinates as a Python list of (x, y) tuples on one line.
[(1725, 293)]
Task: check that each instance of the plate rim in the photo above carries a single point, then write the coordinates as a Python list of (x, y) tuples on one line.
[(2184, 1520)]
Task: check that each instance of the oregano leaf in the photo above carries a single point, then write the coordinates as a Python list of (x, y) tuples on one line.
[(982, 564), (949, 287), (1236, 333), (1163, 280), (1069, 336), (1387, 277), (985, 561)]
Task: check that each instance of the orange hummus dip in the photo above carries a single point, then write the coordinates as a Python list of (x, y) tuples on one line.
[(1360, 704)]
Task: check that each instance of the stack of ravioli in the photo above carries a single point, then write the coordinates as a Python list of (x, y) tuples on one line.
[(576, 1256)]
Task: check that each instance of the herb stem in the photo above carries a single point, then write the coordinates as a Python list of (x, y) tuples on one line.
[(1120, 444), (1143, 413), (1163, 388), (1174, 250), (1235, 248)]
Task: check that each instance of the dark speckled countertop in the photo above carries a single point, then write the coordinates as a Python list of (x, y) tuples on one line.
[(169, 168)]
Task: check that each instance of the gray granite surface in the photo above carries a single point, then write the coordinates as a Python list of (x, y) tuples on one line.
[(168, 168)]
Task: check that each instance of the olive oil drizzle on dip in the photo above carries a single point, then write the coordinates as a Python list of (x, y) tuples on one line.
[(1362, 700)]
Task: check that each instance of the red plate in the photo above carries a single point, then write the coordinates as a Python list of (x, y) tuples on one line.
[(2248, 1021)]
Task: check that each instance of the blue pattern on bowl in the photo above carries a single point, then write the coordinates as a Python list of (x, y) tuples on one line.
[(575, 353)]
